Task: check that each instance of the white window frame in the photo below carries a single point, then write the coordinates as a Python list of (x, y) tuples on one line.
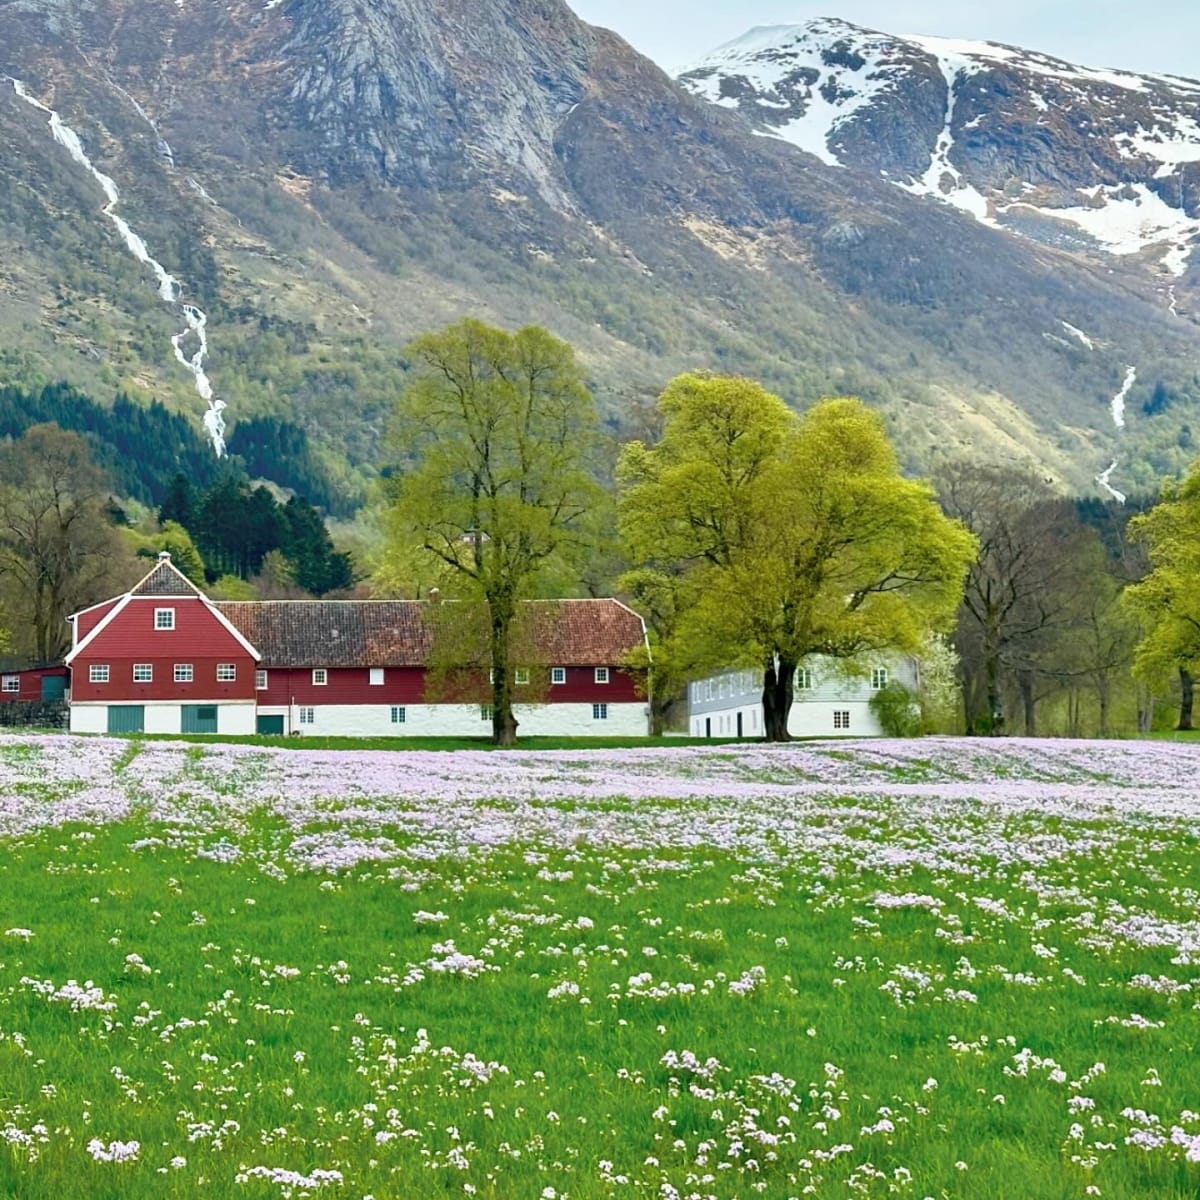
[(558, 675), (521, 676), (260, 679), (143, 672), (600, 675), (308, 715), (804, 679), (12, 683), (375, 676), (164, 619), (485, 712), (879, 678), (227, 672), (841, 718), (99, 673), (184, 673), (599, 712), (320, 676), (399, 714)]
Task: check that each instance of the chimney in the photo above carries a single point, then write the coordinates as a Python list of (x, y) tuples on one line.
[(435, 594)]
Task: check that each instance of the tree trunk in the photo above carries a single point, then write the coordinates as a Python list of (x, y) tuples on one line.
[(1028, 703), (1102, 699), (778, 683), (1145, 709), (1187, 686), (995, 704), (504, 723), (660, 710)]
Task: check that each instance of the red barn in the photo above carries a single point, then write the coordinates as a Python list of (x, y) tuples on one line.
[(160, 659), (165, 658)]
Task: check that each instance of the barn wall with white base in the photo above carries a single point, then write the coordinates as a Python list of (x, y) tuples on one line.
[(463, 720), (163, 717)]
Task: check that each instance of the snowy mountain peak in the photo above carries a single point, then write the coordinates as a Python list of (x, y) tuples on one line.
[(1089, 160)]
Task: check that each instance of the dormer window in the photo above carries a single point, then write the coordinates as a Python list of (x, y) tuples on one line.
[(164, 618)]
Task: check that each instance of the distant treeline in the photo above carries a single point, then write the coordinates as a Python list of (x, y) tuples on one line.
[(143, 447)]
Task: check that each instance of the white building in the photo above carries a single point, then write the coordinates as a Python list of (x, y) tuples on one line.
[(828, 701)]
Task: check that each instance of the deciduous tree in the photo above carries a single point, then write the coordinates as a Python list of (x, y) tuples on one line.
[(499, 430), (799, 533)]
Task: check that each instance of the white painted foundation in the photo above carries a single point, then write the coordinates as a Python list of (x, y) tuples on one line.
[(164, 717), (811, 718), (463, 720)]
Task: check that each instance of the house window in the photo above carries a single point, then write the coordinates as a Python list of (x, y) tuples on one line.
[(601, 674), (521, 676), (599, 712), (879, 678), (164, 618), (841, 719), (399, 714), (260, 681), (320, 676), (226, 672), (804, 680), (98, 673), (308, 716), (558, 674), (485, 712), (184, 673), (376, 676), (143, 672), (12, 683)]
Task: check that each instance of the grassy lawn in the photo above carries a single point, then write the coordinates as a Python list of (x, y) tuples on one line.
[(951, 969)]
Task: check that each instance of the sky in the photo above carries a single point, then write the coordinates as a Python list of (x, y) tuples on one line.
[(1137, 35)]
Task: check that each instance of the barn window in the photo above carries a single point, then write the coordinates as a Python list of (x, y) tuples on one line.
[(804, 680), (184, 673), (260, 681), (226, 672), (485, 712), (879, 678), (841, 719), (164, 618), (399, 714), (376, 676), (558, 674), (599, 712), (521, 676), (601, 674), (308, 716), (143, 672), (320, 676), (98, 673), (12, 683)]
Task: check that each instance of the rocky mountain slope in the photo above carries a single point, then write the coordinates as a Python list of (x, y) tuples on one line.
[(320, 179)]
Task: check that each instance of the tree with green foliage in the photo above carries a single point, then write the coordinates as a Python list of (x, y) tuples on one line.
[(499, 430), (799, 533), (177, 542), (178, 505), (318, 567), (1167, 602)]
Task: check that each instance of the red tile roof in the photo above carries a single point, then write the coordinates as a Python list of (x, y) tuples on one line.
[(398, 633)]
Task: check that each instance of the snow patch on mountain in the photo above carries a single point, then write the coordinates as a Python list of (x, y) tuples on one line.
[(830, 68)]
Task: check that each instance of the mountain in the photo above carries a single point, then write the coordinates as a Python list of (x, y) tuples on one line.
[(1092, 161), (305, 184)]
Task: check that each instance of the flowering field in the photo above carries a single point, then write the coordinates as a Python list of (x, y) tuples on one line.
[(939, 969)]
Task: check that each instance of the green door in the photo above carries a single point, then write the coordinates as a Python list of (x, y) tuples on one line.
[(199, 718), (270, 726), (126, 718), (54, 687)]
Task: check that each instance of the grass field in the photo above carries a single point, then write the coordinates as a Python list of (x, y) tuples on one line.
[(941, 969)]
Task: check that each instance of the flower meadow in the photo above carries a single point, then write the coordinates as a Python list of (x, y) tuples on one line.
[(943, 968)]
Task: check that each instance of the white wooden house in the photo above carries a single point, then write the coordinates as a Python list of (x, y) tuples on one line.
[(828, 701)]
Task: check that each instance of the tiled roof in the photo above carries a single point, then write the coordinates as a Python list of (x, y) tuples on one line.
[(396, 633), (166, 580)]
